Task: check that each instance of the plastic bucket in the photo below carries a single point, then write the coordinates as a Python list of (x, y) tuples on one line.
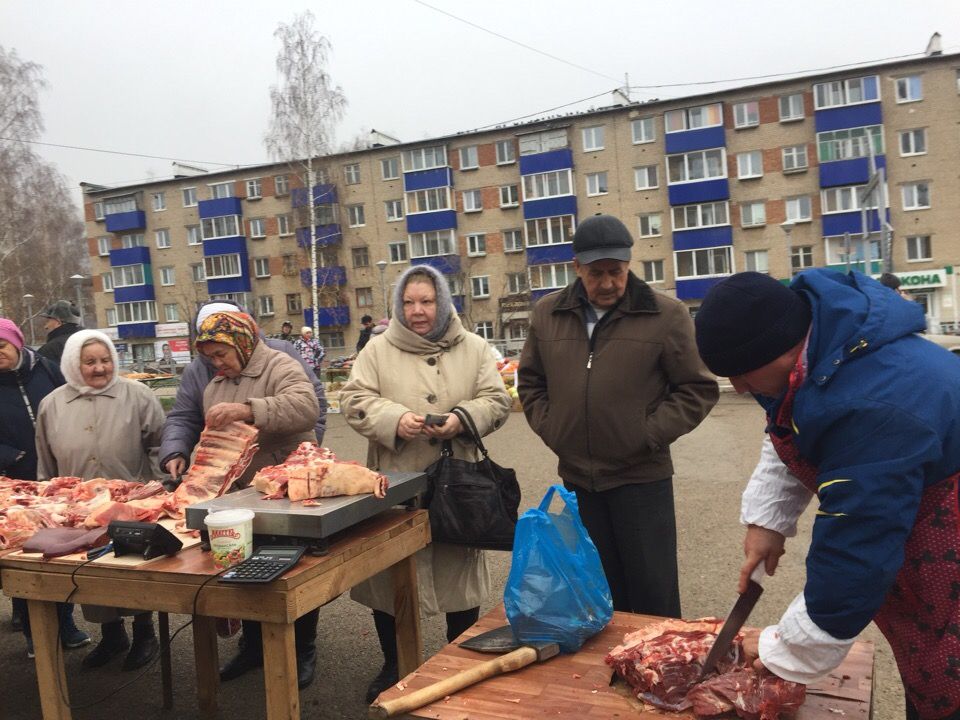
[(231, 536)]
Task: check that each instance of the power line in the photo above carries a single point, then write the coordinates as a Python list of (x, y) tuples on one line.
[(119, 152)]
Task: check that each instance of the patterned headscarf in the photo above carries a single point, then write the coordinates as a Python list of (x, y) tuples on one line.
[(236, 329)]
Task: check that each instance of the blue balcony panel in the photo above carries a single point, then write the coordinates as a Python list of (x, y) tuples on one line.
[(323, 194), (696, 289), (836, 224), (851, 116), (425, 222), (121, 222), (697, 192), (546, 161), (137, 330), (550, 207), (426, 179), (222, 286), (537, 294), (857, 263), (134, 293), (702, 238), (458, 303), (855, 171), (326, 235), (446, 264), (219, 207), (699, 139), (328, 316), (333, 276), (548, 254), (225, 246), (130, 256)]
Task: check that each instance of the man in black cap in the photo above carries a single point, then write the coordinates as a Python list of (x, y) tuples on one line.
[(609, 377), (63, 320), (367, 322), (863, 413)]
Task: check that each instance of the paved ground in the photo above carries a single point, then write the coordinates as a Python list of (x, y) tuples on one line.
[(712, 465)]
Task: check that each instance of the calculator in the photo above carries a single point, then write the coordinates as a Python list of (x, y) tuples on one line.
[(265, 565)]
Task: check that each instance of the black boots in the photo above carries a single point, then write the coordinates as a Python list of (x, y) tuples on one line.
[(250, 655), (145, 646), (113, 641), (389, 674), (305, 630)]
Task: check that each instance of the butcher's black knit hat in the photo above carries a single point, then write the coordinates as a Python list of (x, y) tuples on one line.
[(748, 320)]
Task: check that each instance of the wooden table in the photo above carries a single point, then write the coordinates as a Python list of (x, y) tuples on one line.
[(170, 585), (578, 685)]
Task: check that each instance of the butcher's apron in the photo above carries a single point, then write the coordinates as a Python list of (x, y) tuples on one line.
[(920, 616)]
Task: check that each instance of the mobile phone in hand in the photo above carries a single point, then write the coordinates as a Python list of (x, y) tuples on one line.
[(434, 419)]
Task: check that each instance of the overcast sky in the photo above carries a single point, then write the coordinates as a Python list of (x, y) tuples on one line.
[(190, 79)]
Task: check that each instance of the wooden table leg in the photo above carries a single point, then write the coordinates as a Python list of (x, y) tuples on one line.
[(406, 607), (280, 671), (166, 672), (207, 662), (44, 625)]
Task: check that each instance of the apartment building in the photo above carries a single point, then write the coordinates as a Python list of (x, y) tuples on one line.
[(767, 177)]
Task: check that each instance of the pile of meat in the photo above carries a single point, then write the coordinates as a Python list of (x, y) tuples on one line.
[(314, 472), (662, 663)]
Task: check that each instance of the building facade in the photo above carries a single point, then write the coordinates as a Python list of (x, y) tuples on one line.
[(770, 177)]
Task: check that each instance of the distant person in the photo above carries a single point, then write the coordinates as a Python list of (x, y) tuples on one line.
[(893, 282), (310, 349), (367, 322), (62, 321), (286, 333)]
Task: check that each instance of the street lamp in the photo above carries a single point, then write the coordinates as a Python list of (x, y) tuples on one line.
[(787, 227), (79, 280), (382, 266), (29, 300)]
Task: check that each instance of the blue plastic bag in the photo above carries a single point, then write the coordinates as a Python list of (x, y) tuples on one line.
[(556, 590)]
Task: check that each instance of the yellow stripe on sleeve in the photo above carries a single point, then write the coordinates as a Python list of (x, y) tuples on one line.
[(828, 483), (830, 514)]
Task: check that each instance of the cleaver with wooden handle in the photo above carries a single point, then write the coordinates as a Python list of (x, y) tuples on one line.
[(735, 620)]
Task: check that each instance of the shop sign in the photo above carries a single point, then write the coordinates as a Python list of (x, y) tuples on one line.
[(922, 279), (515, 303), (179, 329)]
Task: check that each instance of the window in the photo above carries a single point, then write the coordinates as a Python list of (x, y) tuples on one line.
[(390, 168), (791, 108), (294, 305), (472, 201), (254, 189), (916, 196), (136, 312), (592, 138), (641, 130), (283, 225), (133, 240), (222, 226), (688, 217), (351, 174), (693, 118), (650, 225), (107, 279), (542, 142), (158, 201), (394, 210), (290, 266), (258, 228), (111, 317), (98, 211), (360, 257), (433, 243), (281, 185), (103, 246), (850, 143), (324, 214), (706, 262), (841, 199), (645, 178), (219, 191), (694, 166), (261, 267), (653, 271), (167, 276), (597, 183), (801, 258), (550, 277), (846, 92), (548, 184), (222, 266), (513, 241), (469, 158), (509, 195), (919, 248), (428, 200), (425, 158), (171, 312), (837, 250), (798, 208), (398, 252), (332, 340), (516, 283), (196, 272), (162, 238), (484, 329), (476, 244), (550, 230), (753, 214), (265, 305), (750, 164), (124, 204), (758, 261), (480, 286), (506, 152), (746, 114), (913, 142), (355, 216), (909, 89), (364, 297), (794, 158), (456, 285), (193, 235)]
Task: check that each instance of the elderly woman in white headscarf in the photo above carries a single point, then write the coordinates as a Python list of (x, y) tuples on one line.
[(100, 425)]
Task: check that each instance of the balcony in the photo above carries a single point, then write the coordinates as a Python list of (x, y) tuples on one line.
[(328, 316), (334, 276), (218, 207), (547, 254), (446, 264), (137, 330), (130, 256), (325, 235), (325, 194), (123, 221)]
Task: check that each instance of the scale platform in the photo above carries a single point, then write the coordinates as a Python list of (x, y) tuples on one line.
[(283, 518)]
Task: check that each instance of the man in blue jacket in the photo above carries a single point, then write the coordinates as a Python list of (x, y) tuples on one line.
[(865, 414)]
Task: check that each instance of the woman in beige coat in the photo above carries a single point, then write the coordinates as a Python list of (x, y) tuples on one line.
[(426, 362)]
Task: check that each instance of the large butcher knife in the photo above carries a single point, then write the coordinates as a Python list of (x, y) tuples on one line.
[(735, 620)]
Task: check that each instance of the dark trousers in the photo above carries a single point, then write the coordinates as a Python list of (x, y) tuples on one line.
[(64, 610), (457, 623), (304, 631), (635, 530)]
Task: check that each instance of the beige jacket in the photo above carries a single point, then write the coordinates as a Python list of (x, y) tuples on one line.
[(114, 434), (283, 401), (399, 372)]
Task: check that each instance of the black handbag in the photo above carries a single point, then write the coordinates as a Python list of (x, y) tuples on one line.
[(472, 503)]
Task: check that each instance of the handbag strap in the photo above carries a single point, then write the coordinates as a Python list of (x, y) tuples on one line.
[(471, 427)]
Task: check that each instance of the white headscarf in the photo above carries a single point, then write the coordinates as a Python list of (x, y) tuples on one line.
[(214, 307), (70, 361)]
